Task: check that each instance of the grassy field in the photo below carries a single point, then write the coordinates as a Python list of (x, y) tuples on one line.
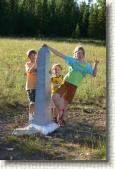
[(84, 135)]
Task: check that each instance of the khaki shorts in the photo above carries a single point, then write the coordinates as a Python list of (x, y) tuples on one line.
[(67, 90)]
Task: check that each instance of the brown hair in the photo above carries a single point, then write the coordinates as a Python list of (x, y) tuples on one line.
[(79, 48), (29, 52), (57, 64)]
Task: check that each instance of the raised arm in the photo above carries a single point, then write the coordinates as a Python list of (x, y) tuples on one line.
[(31, 69), (96, 62), (56, 52)]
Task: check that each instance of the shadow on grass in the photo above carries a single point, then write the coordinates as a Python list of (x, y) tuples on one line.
[(81, 133), (19, 155), (39, 147), (27, 148)]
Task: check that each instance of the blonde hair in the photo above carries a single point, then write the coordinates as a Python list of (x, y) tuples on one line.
[(29, 52), (77, 48), (57, 64)]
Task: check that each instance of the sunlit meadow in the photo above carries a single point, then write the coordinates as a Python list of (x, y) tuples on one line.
[(12, 67)]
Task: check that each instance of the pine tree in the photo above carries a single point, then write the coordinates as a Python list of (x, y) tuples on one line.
[(102, 19), (82, 18), (52, 28), (67, 17), (76, 33), (2, 15), (85, 22), (44, 18), (93, 22)]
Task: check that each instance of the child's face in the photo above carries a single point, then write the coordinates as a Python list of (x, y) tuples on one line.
[(33, 57), (79, 55), (56, 70)]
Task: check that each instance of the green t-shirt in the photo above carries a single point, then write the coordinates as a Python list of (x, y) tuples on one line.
[(77, 70)]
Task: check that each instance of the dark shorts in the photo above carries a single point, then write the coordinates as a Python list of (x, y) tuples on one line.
[(67, 90), (31, 95)]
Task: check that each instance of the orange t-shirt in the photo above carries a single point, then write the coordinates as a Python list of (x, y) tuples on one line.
[(31, 77)]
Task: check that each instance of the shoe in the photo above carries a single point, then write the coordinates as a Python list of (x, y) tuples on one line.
[(32, 102), (31, 116), (61, 122)]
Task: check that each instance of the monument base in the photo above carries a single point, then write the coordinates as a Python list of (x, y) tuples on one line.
[(33, 129)]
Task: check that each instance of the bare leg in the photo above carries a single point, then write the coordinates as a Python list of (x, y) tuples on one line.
[(31, 111), (53, 110), (61, 105), (31, 108), (54, 114)]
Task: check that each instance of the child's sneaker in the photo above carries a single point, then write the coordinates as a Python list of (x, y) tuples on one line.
[(32, 103), (31, 116), (61, 122)]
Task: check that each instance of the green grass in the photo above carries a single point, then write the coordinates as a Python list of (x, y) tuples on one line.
[(54, 149), (13, 58)]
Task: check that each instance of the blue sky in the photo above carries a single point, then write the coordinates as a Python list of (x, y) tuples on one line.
[(85, 1)]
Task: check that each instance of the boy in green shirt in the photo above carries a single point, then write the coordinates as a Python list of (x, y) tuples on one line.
[(78, 69)]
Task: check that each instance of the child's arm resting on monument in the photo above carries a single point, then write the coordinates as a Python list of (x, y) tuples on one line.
[(33, 68), (56, 52)]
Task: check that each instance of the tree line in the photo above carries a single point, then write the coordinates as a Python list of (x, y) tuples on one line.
[(53, 18)]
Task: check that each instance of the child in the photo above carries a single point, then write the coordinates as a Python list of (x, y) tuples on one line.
[(79, 68), (31, 71), (56, 81)]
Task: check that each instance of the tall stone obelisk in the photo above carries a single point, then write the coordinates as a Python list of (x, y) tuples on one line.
[(41, 120)]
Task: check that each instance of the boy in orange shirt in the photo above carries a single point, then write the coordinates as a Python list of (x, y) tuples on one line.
[(31, 71)]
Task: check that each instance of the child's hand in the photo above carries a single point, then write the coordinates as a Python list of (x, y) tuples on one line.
[(56, 85), (96, 61)]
